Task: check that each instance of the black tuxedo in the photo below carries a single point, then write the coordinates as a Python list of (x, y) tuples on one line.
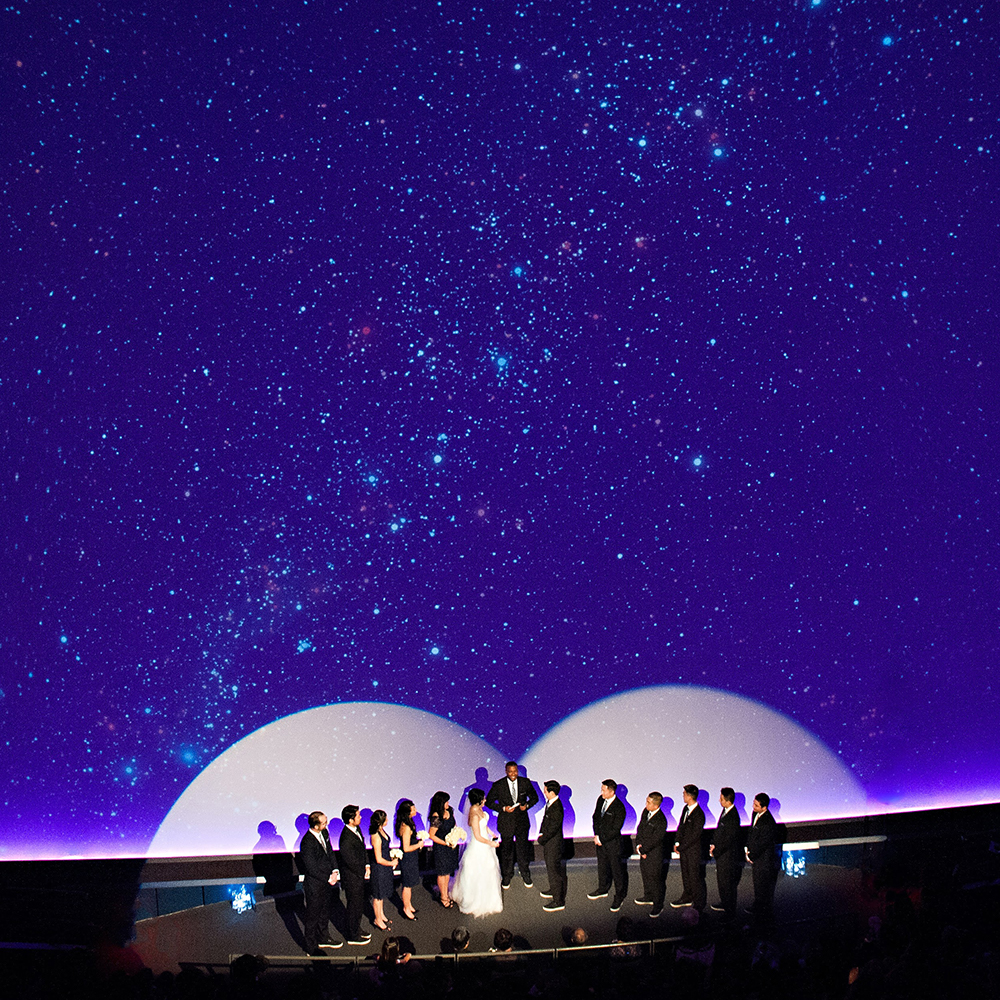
[(689, 848), (550, 836), (316, 864), (513, 827), (728, 853), (762, 849), (649, 837), (353, 860), (608, 829)]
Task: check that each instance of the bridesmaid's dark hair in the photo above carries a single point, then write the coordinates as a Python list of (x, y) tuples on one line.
[(403, 818), (437, 804), (378, 818), (476, 797)]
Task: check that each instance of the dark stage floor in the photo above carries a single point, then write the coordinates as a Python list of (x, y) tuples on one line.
[(210, 935)]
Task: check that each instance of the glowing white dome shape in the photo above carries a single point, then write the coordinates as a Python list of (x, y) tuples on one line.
[(368, 753), (662, 738)]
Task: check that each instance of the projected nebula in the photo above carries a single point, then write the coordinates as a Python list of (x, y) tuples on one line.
[(492, 363)]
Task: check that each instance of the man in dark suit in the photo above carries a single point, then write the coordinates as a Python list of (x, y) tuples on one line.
[(510, 798), (550, 836), (688, 848), (649, 837), (726, 850), (354, 869), (316, 864), (609, 818), (762, 853)]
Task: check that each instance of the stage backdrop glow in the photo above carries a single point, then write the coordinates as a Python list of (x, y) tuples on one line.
[(577, 378)]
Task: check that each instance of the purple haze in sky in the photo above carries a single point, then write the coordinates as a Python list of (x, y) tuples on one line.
[(492, 361)]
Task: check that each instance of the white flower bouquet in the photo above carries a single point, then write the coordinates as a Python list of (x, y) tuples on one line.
[(455, 837)]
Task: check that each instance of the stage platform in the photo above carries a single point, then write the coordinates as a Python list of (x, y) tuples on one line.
[(176, 913), (211, 936)]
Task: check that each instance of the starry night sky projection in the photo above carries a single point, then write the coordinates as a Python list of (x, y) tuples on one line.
[(491, 360)]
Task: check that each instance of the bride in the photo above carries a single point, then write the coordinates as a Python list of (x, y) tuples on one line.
[(477, 888)]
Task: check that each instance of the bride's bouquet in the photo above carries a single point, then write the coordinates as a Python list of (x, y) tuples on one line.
[(455, 837)]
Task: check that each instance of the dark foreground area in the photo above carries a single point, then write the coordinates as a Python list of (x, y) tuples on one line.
[(911, 922)]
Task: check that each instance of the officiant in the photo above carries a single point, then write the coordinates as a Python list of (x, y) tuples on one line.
[(510, 798)]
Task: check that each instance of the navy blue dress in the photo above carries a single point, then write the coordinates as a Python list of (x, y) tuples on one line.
[(409, 864), (382, 874), (445, 858)]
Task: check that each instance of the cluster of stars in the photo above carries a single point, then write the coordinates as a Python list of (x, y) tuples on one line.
[(493, 372)]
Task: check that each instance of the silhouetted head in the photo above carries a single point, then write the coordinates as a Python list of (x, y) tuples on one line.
[(503, 940)]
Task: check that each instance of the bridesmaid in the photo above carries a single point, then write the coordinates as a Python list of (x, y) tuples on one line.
[(406, 831), (384, 866), (440, 822)]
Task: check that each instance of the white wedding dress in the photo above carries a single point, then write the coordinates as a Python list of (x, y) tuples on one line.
[(477, 887)]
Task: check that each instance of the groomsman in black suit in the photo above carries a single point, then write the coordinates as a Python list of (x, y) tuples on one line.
[(725, 848), (762, 853), (609, 818), (649, 837), (688, 847), (550, 836), (510, 798), (316, 864), (354, 869)]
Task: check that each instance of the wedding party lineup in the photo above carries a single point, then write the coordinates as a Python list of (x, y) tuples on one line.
[(483, 871)]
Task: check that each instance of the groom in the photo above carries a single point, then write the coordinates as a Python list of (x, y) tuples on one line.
[(511, 798)]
